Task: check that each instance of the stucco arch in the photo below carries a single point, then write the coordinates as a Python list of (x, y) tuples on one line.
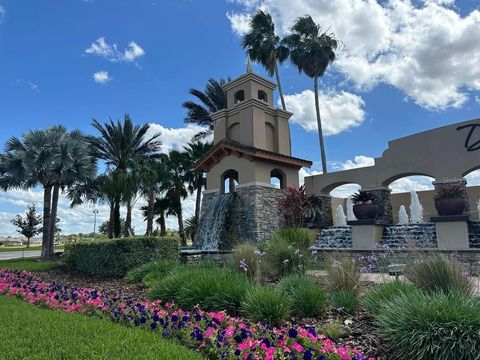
[(393, 178)]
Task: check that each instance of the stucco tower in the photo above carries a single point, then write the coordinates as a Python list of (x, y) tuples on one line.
[(252, 158)]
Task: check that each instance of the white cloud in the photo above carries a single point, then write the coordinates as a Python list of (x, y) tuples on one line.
[(2, 14), (473, 179), (111, 52), (340, 111), (101, 77), (427, 50), (357, 162), (175, 138)]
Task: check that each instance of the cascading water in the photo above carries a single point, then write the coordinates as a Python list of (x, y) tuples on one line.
[(416, 209), (350, 215), (478, 208), (403, 216), (213, 221), (341, 219)]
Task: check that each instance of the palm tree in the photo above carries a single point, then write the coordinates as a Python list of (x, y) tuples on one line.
[(196, 151), (177, 165), (162, 208), (312, 52), (212, 99), (264, 46), (119, 145)]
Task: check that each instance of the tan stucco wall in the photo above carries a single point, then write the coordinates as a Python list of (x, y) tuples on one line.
[(440, 153), (426, 199)]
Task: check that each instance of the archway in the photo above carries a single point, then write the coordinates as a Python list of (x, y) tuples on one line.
[(402, 187), (262, 95), (229, 181), (473, 192), (239, 96), (340, 195), (277, 178)]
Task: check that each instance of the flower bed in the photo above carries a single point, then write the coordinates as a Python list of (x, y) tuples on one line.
[(213, 333)]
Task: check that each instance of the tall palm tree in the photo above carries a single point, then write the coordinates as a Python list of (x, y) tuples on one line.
[(264, 46), (196, 151), (119, 145), (212, 99), (177, 165), (312, 52), (162, 208)]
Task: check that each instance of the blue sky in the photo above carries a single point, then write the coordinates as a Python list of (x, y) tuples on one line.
[(406, 67)]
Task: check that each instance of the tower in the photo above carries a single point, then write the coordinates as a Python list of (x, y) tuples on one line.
[(251, 160)]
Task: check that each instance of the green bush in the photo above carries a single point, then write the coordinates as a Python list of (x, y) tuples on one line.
[(297, 237), (345, 301), (379, 295), (343, 274), (212, 288), (284, 258), (428, 326), (263, 303), (159, 267), (114, 258), (303, 296), (438, 273), (334, 331), (245, 260)]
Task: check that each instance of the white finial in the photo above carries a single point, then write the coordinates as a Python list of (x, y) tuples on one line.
[(249, 63)]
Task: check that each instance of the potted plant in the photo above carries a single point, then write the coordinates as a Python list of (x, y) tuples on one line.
[(365, 205), (450, 200)]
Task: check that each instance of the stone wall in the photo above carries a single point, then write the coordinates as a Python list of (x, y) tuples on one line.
[(384, 203)]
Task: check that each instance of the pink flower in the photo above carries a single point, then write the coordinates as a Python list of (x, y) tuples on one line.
[(297, 347)]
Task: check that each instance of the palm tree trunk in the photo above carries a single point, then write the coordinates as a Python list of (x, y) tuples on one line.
[(111, 221), (181, 230), (279, 85), (150, 211), (128, 221), (231, 184), (47, 201), (197, 208), (163, 227), (117, 227), (53, 219), (319, 123)]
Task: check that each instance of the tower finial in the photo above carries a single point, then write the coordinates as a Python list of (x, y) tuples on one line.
[(249, 63)]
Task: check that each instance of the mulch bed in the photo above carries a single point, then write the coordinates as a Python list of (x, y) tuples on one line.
[(360, 329)]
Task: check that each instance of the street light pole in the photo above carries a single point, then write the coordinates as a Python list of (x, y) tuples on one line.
[(95, 212)]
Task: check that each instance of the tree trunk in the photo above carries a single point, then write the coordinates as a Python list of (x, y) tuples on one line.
[(53, 219), (150, 212), (28, 242), (111, 221), (117, 227), (128, 221), (181, 231), (197, 208), (319, 123), (231, 184), (163, 227), (279, 85), (47, 201)]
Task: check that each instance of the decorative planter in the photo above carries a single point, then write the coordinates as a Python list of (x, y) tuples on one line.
[(365, 211), (450, 206)]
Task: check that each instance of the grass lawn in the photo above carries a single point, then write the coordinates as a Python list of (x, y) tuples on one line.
[(28, 264), (28, 332), (20, 248)]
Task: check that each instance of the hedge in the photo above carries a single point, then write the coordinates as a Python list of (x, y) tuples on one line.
[(114, 258)]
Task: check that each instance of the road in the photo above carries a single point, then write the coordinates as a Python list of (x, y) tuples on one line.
[(19, 254)]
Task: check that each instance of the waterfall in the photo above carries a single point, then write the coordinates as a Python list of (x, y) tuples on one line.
[(403, 216), (212, 223), (416, 209), (341, 219), (350, 215), (478, 208)]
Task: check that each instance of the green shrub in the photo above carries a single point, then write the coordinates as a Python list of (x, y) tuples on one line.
[(213, 290), (159, 267), (284, 258), (427, 326), (344, 301), (343, 274), (263, 303), (334, 331), (114, 258), (379, 295), (297, 237), (303, 296), (245, 260), (438, 273)]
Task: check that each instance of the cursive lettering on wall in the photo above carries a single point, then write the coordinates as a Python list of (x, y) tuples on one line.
[(471, 144)]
